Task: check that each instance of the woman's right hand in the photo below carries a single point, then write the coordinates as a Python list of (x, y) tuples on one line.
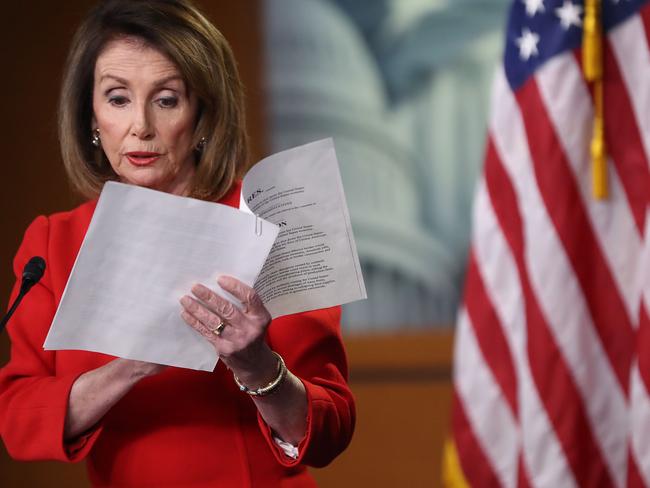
[(95, 392)]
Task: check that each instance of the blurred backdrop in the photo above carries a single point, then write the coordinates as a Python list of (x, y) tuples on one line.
[(402, 86)]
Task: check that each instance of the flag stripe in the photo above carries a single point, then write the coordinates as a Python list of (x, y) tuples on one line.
[(500, 435), (639, 446), (604, 400), (522, 481), (489, 334), (542, 452), (628, 43), (623, 139), (643, 345), (476, 467), (563, 313), (634, 479), (561, 198), (645, 18), (566, 97), (639, 427), (559, 395)]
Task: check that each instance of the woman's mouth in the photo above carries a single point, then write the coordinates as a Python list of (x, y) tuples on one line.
[(142, 158)]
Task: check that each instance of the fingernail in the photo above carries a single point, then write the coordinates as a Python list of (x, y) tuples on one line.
[(200, 291), (186, 301)]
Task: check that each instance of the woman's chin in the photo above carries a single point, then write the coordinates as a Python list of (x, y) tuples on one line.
[(151, 183), (165, 185)]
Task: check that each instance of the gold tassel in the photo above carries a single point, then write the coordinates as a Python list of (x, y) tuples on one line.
[(598, 149), (592, 64), (452, 473), (592, 49)]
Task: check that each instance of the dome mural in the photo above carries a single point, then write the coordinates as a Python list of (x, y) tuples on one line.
[(408, 156)]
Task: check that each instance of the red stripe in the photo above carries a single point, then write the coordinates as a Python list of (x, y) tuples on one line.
[(489, 334), (622, 136), (634, 479), (623, 139), (565, 207), (476, 467), (522, 474), (643, 346), (552, 377)]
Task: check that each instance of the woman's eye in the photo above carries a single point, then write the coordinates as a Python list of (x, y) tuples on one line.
[(118, 101), (167, 102)]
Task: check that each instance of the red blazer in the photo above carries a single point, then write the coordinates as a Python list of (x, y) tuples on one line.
[(180, 428)]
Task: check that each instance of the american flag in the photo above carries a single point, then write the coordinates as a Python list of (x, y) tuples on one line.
[(552, 358)]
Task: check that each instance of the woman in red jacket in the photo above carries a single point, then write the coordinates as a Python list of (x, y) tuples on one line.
[(151, 97)]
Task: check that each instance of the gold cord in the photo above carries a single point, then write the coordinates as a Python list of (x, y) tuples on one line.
[(592, 65)]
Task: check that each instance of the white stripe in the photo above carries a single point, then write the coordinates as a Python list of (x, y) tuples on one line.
[(567, 100), (643, 277), (543, 455), (486, 408), (639, 401), (630, 47), (558, 291), (640, 423)]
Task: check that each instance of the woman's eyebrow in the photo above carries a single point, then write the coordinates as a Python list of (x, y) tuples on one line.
[(113, 77), (123, 81), (167, 79)]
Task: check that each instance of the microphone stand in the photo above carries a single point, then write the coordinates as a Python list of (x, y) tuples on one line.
[(23, 291)]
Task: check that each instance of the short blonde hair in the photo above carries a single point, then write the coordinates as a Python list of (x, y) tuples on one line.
[(206, 62)]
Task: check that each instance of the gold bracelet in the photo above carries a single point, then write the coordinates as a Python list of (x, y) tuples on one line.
[(272, 386)]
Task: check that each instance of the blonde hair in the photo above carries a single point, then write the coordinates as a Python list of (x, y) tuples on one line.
[(206, 62)]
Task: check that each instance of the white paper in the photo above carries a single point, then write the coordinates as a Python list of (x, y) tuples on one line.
[(313, 263), (143, 251)]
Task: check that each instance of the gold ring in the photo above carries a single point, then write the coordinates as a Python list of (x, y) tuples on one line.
[(219, 328)]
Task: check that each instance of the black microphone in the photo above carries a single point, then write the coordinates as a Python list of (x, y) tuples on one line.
[(32, 273)]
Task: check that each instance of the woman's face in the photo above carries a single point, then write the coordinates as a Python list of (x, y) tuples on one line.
[(145, 116)]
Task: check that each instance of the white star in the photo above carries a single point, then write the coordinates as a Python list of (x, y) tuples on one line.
[(534, 6), (569, 14), (527, 44)]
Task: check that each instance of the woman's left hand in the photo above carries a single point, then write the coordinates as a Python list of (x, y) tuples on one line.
[(241, 343)]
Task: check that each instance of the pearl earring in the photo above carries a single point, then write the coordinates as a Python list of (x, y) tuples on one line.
[(202, 142), (96, 141)]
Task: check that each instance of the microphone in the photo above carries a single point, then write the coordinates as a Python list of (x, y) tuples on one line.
[(32, 273)]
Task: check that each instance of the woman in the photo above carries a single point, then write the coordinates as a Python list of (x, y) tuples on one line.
[(151, 97)]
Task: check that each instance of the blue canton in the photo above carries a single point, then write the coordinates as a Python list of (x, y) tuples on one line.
[(539, 29)]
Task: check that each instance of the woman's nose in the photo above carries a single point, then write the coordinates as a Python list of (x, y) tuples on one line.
[(142, 126)]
